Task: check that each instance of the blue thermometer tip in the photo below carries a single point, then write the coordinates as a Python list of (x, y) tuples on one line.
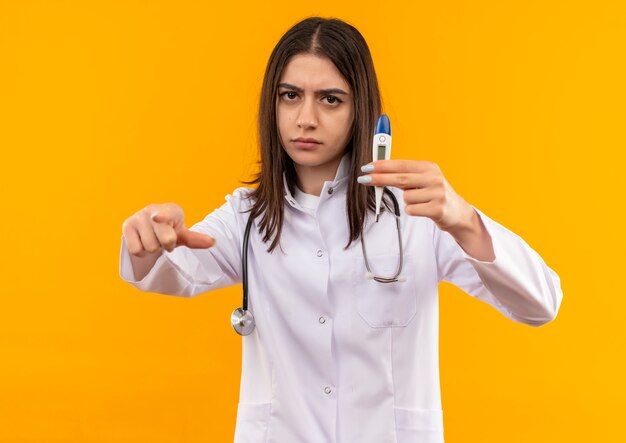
[(383, 126)]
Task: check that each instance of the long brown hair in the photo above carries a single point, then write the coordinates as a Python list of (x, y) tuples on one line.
[(342, 44)]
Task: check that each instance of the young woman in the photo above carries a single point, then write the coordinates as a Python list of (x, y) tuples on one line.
[(336, 355)]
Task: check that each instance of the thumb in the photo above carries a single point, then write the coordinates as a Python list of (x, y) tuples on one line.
[(195, 240)]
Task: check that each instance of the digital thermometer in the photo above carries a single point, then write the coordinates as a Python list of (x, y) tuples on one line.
[(382, 151)]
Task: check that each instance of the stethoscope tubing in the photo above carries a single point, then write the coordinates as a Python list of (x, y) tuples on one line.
[(242, 319), (244, 263)]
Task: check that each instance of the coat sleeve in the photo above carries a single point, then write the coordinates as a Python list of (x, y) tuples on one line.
[(188, 272), (517, 283)]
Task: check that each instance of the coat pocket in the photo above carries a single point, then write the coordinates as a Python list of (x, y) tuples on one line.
[(386, 304), (419, 425), (252, 422)]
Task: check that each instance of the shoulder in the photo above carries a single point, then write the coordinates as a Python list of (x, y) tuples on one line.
[(240, 193), (240, 198), (231, 213)]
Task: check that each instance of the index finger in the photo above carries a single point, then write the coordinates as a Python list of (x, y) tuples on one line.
[(164, 214), (384, 166)]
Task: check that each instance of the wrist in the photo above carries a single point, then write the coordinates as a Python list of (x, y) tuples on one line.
[(468, 224)]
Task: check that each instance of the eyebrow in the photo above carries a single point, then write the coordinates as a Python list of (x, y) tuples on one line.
[(319, 91)]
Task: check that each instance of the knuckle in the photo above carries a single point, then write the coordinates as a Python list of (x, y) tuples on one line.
[(169, 241), (135, 251), (145, 212), (423, 165), (140, 217), (434, 180), (403, 179), (153, 248)]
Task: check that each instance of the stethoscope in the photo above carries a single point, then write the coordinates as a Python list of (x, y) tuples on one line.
[(243, 320)]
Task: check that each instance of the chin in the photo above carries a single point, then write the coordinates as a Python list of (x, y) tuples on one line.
[(308, 158)]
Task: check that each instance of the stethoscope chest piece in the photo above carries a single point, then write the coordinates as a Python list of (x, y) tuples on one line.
[(242, 321)]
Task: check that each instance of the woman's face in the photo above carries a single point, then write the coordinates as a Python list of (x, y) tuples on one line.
[(315, 111)]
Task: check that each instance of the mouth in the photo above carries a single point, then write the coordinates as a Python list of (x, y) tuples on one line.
[(306, 143)]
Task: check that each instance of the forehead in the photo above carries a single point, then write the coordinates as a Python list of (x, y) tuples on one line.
[(314, 72)]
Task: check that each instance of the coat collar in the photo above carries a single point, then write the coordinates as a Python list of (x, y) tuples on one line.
[(330, 188)]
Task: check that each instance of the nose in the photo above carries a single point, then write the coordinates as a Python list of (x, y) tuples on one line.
[(307, 118)]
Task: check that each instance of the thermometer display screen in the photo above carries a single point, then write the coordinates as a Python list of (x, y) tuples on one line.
[(381, 152)]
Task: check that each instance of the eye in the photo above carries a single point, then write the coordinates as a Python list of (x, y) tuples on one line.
[(289, 95), (332, 100)]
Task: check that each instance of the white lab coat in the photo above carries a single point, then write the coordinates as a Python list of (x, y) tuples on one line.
[(336, 357)]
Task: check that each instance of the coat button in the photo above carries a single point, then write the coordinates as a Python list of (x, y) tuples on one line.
[(320, 252), (322, 320), (328, 390), (330, 191)]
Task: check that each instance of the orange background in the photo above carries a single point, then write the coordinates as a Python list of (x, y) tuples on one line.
[(107, 106)]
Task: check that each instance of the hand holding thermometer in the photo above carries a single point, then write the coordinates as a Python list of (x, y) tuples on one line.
[(382, 151)]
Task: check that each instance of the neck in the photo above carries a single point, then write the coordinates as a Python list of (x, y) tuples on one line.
[(311, 178)]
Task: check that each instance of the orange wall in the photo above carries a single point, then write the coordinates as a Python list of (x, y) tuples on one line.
[(107, 106)]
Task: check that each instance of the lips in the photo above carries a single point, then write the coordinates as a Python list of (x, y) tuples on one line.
[(306, 143), (307, 140)]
